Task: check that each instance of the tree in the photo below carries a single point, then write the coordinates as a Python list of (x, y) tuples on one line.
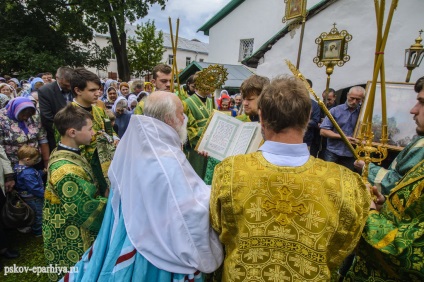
[(111, 15), (34, 42), (145, 49)]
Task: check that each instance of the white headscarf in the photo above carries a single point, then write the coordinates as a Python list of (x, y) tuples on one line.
[(164, 203), (131, 98), (116, 103)]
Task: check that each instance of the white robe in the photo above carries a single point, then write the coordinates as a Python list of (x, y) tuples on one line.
[(164, 203)]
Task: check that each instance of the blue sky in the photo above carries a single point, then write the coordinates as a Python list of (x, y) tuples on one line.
[(192, 13)]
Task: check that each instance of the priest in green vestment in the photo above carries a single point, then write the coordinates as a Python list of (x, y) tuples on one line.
[(73, 208), (386, 179), (197, 108), (392, 244)]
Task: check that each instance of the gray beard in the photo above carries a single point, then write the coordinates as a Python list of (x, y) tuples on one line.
[(182, 131)]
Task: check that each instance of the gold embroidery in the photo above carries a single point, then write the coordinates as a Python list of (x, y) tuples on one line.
[(286, 223), (387, 239), (283, 206), (49, 196)]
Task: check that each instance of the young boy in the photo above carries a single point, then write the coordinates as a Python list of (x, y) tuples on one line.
[(99, 152), (73, 210), (29, 184)]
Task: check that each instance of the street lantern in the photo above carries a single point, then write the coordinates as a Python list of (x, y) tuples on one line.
[(413, 56)]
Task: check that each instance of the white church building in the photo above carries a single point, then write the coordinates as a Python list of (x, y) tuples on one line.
[(252, 33)]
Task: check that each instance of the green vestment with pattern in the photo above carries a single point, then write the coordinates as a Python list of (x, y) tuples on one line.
[(73, 210), (198, 114), (386, 179), (392, 244), (101, 149)]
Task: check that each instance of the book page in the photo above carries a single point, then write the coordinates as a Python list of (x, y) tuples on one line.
[(245, 138), (256, 141), (218, 138)]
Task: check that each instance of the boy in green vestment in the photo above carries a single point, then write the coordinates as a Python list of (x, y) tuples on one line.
[(73, 208), (99, 152)]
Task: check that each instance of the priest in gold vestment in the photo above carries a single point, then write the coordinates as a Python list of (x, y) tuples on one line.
[(282, 214)]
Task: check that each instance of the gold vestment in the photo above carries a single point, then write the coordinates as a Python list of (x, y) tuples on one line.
[(286, 223)]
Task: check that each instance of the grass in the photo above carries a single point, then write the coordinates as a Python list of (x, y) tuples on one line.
[(32, 254)]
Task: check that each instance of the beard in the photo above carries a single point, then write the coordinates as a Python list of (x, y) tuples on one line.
[(182, 130)]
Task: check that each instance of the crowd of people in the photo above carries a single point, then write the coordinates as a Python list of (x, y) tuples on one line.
[(120, 193)]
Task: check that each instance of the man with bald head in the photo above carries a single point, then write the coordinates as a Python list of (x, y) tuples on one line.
[(346, 116), (156, 226)]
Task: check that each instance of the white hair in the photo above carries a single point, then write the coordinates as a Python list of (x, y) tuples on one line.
[(357, 88), (162, 109), (122, 104)]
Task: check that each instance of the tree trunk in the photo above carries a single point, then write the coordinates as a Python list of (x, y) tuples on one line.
[(119, 43)]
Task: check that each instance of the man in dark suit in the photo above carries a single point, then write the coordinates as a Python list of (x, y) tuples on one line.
[(53, 97)]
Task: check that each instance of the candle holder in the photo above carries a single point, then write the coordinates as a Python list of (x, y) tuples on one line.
[(365, 149)]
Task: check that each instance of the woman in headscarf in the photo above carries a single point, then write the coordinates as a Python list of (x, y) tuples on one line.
[(14, 83), (25, 89), (20, 126), (109, 83), (132, 102), (7, 90), (120, 109), (148, 87), (36, 83), (111, 95)]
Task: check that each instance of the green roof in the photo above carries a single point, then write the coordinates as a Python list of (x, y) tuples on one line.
[(236, 73), (219, 16)]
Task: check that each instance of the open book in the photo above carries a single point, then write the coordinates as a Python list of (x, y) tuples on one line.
[(227, 136)]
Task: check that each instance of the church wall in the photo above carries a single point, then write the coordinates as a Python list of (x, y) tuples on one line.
[(252, 19), (358, 18)]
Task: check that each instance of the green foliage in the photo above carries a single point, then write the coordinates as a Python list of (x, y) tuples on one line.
[(146, 49), (111, 15), (40, 36)]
